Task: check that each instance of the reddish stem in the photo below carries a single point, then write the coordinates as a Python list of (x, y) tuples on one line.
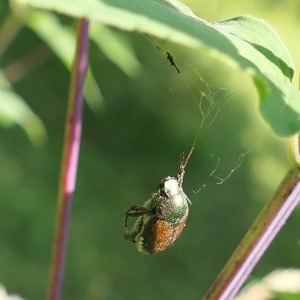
[(257, 239), (69, 161)]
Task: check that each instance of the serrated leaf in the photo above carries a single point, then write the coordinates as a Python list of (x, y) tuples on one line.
[(244, 43)]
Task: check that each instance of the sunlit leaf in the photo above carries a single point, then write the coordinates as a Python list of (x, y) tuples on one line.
[(118, 50), (14, 110), (245, 43), (61, 39), (281, 284)]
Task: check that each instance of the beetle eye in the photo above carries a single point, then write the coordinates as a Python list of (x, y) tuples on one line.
[(163, 192)]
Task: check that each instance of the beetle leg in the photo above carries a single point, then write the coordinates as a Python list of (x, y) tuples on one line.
[(133, 235), (135, 211)]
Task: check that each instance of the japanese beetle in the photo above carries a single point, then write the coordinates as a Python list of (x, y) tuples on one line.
[(161, 219)]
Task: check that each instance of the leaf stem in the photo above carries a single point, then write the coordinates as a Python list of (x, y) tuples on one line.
[(264, 229), (69, 161)]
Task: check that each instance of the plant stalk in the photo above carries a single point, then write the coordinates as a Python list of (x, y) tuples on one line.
[(260, 235), (69, 161)]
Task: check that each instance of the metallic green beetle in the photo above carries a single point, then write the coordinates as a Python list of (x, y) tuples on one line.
[(161, 219)]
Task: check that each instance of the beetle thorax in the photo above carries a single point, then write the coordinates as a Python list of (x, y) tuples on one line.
[(171, 202)]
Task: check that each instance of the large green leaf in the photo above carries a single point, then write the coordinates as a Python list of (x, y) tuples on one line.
[(244, 43)]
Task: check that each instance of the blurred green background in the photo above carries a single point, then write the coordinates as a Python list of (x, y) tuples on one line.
[(128, 146)]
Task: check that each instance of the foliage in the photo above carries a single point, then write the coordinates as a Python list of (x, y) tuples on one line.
[(243, 42), (60, 38), (126, 150)]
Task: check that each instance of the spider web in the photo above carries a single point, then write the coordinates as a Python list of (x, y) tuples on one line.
[(209, 100)]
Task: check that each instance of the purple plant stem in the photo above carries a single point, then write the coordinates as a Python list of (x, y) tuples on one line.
[(260, 235), (70, 161)]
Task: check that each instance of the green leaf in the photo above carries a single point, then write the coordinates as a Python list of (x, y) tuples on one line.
[(262, 46), (14, 110), (264, 39), (286, 295), (116, 49), (61, 40), (244, 43)]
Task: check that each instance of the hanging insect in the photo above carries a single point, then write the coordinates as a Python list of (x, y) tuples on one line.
[(172, 62), (170, 59), (161, 219)]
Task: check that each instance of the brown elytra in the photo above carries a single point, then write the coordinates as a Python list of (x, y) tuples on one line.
[(163, 235)]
